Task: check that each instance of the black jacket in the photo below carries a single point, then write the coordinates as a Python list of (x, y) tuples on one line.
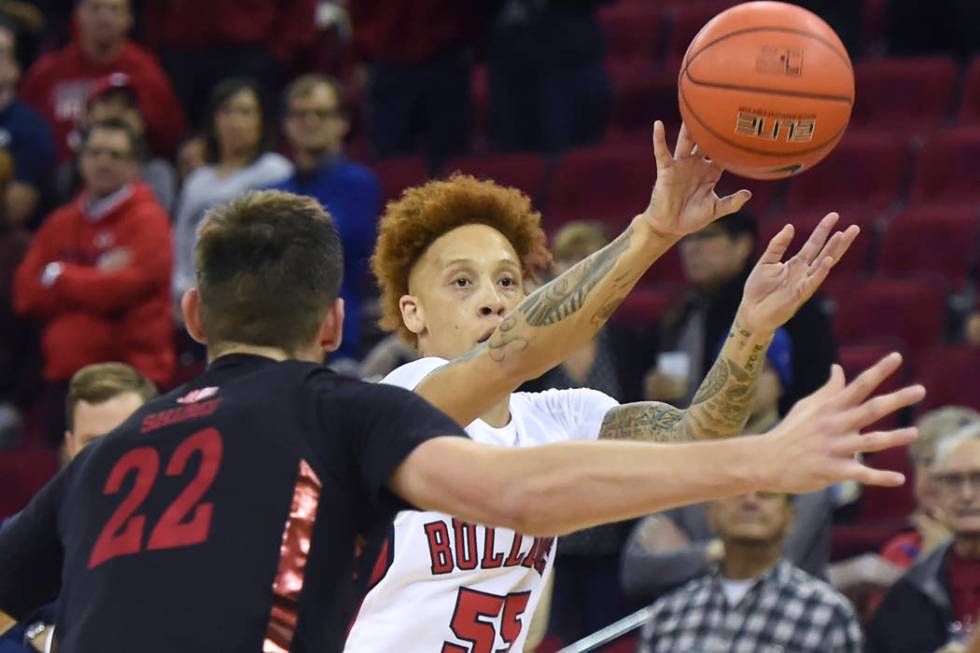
[(917, 612)]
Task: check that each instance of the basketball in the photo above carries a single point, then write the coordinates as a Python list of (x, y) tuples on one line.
[(766, 89)]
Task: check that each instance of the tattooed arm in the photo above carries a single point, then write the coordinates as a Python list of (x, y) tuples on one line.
[(720, 408)]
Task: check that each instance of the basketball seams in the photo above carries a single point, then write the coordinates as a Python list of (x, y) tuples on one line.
[(768, 91), (767, 28), (752, 150)]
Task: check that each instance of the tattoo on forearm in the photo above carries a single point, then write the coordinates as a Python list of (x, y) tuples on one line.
[(719, 409), (505, 339), (567, 294)]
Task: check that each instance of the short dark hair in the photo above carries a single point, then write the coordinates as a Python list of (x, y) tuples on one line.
[(269, 265), (98, 383), (116, 124), (739, 223), (220, 94), (303, 85)]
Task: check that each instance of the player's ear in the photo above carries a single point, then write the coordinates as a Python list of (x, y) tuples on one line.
[(332, 327), (412, 315), (190, 306)]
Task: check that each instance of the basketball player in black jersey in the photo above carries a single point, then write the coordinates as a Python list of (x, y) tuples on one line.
[(222, 516)]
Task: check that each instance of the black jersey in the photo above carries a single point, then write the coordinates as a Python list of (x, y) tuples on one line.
[(219, 517)]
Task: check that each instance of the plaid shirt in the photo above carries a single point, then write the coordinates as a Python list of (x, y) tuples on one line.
[(785, 611)]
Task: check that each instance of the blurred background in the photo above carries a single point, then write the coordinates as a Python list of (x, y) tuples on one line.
[(555, 97)]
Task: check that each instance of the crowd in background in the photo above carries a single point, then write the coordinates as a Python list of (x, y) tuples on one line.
[(122, 123)]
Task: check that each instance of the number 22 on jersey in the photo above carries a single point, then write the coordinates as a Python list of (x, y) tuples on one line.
[(185, 522)]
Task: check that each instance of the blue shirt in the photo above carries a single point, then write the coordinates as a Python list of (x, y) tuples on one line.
[(28, 138), (352, 195)]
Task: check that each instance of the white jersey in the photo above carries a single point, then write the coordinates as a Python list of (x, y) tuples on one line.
[(455, 587)]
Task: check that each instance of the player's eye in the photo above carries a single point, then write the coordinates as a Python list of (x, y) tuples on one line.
[(508, 282), (461, 282)]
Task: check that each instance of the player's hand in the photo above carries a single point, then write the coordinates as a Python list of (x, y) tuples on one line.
[(775, 290), (684, 199), (815, 445)]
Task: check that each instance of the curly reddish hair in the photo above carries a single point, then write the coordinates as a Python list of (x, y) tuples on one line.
[(424, 213)]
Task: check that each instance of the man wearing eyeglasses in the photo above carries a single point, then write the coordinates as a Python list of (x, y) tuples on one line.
[(934, 606), (315, 123), (97, 274)]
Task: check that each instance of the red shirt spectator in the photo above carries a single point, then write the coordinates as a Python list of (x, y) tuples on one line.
[(282, 27), (59, 83), (98, 271)]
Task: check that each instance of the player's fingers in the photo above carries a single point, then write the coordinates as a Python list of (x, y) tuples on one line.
[(818, 274), (861, 387), (811, 248), (831, 387), (870, 476), (660, 151), (778, 245), (685, 144), (876, 441), (838, 244), (881, 406), (731, 203)]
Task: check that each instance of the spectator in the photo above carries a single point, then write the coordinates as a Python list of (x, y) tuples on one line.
[(24, 134), (237, 151), (59, 83), (19, 355), (549, 89), (419, 59), (201, 43), (971, 330), (97, 274), (100, 398), (190, 156), (937, 600), (754, 600), (928, 530), (717, 260), (316, 122), (671, 548), (114, 98)]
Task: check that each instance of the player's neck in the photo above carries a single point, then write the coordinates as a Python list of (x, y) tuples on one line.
[(744, 560), (499, 415), (274, 353)]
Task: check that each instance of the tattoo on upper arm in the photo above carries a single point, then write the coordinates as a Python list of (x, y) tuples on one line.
[(567, 294), (645, 420)]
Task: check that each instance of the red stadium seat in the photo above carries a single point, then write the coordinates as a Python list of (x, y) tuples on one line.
[(911, 311), (645, 305), (523, 171), (398, 174), (950, 376), (969, 111), (632, 31), (610, 183), (23, 474), (948, 170), (909, 96), (940, 240), (642, 95), (880, 161)]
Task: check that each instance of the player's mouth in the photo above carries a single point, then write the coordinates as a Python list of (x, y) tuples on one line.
[(486, 336)]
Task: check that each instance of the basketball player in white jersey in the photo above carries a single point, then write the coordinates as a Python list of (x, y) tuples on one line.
[(451, 260)]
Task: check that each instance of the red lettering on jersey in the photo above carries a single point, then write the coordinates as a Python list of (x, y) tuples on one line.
[(491, 559), (466, 555), (531, 554), (439, 551), (515, 558), (541, 560), (170, 416)]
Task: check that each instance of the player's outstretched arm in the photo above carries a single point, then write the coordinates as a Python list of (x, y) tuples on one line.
[(559, 488), (773, 293), (563, 315)]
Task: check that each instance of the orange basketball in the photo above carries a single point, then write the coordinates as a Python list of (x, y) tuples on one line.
[(766, 89)]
